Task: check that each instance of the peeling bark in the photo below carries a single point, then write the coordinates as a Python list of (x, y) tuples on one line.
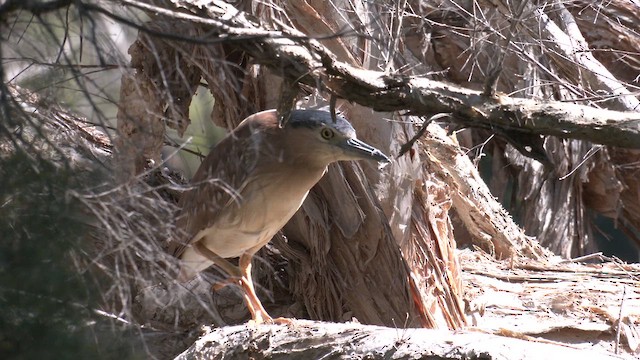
[(326, 340)]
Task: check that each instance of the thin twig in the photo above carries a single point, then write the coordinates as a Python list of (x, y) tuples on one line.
[(597, 255), (491, 82), (407, 146), (619, 327)]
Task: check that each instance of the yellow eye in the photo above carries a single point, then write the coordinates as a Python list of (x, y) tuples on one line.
[(326, 133)]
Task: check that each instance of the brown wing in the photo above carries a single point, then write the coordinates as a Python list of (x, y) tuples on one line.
[(216, 184)]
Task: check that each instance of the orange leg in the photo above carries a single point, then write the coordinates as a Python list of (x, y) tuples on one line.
[(258, 313), (241, 275)]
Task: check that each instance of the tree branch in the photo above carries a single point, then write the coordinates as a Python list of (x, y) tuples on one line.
[(317, 340), (298, 57)]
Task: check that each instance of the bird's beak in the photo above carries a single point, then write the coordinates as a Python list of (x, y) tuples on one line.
[(357, 150)]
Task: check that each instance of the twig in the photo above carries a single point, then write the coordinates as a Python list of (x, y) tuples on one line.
[(619, 327), (332, 107), (288, 94), (491, 82), (597, 255), (407, 146)]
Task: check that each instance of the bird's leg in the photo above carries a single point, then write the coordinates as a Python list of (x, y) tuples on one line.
[(234, 273), (258, 313), (241, 275)]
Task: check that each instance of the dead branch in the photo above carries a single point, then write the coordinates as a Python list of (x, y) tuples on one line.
[(565, 301), (473, 201), (297, 57), (316, 340)]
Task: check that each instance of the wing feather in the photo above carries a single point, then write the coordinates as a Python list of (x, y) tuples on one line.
[(216, 188)]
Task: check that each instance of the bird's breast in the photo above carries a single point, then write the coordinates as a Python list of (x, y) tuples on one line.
[(263, 208)]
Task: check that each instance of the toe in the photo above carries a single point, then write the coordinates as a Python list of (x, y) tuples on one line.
[(282, 321)]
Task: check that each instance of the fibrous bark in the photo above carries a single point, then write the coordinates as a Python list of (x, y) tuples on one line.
[(349, 340)]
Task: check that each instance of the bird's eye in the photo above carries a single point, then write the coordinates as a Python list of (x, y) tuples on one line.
[(326, 133)]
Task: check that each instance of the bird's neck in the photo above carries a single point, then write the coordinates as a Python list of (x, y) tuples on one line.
[(291, 159), (296, 171)]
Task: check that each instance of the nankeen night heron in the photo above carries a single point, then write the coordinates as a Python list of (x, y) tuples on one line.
[(251, 184)]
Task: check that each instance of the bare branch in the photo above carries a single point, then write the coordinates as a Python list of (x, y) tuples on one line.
[(325, 340), (305, 59)]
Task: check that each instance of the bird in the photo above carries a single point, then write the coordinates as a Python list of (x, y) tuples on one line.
[(249, 186)]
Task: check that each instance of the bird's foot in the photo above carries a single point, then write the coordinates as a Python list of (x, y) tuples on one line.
[(261, 319), (283, 321)]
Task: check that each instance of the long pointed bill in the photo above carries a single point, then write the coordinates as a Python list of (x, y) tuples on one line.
[(364, 151)]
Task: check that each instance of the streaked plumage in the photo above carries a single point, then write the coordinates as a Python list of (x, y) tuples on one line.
[(252, 183)]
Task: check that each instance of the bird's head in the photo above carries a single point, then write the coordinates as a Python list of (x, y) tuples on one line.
[(314, 134)]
